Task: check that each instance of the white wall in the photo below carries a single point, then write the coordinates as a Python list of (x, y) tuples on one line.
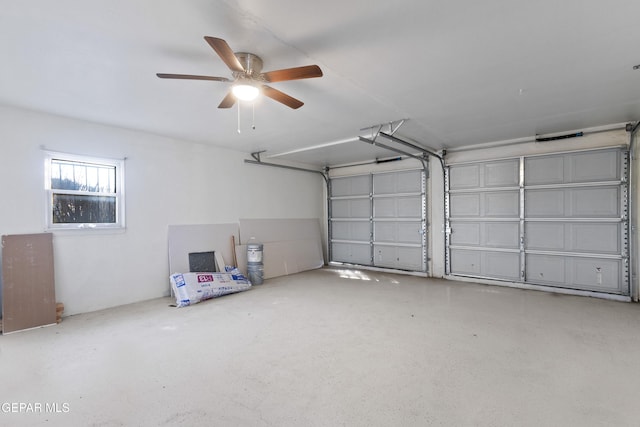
[(167, 182)]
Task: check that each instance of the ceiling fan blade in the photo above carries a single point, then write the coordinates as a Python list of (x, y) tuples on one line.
[(225, 53), (228, 101), (281, 97), (191, 77), (296, 73)]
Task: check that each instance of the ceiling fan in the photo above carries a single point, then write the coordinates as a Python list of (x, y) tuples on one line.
[(248, 80)]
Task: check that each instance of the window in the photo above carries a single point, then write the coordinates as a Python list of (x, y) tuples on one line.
[(84, 192)]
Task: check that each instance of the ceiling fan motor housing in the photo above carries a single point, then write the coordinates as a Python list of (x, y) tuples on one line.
[(251, 63)]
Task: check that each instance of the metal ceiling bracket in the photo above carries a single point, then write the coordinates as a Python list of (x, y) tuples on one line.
[(393, 128), (414, 146), (256, 155), (396, 150), (257, 161)]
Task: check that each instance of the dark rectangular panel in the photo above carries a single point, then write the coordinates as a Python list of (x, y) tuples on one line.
[(202, 262)]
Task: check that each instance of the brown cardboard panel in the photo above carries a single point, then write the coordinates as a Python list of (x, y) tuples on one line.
[(28, 291), (184, 239)]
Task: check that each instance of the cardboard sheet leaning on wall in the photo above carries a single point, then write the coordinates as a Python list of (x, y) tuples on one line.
[(289, 245)]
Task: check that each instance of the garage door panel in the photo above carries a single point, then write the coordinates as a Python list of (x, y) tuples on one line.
[(397, 207), (465, 205), (351, 186), (549, 236), (546, 270), (501, 174), (573, 168), (596, 166), (398, 182), (465, 234), (350, 208), (398, 232), (505, 235), (397, 257), (599, 238), (466, 262), (502, 235), (597, 274), (594, 274), (351, 253), (464, 177), (500, 265), (501, 204), (603, 238), (594, 202), (544, 203), (351, 230), (544, 170)]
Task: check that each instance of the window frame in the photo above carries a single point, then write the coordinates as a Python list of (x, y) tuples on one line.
[(119, 193)]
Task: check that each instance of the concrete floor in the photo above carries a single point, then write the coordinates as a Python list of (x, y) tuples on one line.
[(334, 348)]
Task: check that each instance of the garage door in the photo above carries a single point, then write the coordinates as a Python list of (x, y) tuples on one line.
[(555, 220), (379, 220)]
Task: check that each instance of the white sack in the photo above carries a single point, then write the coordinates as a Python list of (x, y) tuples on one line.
[(191, 288)]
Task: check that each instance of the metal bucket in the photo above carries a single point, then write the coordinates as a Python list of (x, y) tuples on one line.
[(255, 267)]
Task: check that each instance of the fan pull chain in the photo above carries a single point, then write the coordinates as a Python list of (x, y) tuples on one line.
[(239, 131), (253, 115)]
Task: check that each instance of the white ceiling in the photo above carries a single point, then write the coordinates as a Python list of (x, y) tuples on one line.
[(462, 73)]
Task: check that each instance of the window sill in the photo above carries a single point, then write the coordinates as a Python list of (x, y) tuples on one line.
[(86, 231)]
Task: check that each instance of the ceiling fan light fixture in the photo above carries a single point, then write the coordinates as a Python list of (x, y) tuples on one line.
[(245, 92)]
